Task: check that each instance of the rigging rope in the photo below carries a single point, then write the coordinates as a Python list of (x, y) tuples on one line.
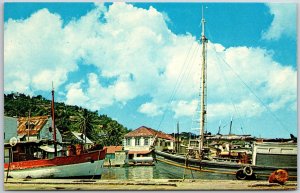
[(264, 105), (183, 70), (225, 79), (250, 89)]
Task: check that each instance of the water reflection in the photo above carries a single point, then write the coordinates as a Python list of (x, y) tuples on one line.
[(159, 171), (133, 172)]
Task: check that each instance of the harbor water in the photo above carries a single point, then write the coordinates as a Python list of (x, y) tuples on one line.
[(159, 171)]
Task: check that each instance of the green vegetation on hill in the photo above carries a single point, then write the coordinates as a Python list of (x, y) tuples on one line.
[(99, 128)]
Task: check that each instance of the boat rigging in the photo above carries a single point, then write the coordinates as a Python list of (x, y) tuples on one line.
[(244, 162)]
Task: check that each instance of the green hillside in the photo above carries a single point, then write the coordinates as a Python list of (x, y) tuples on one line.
[(99, 128)]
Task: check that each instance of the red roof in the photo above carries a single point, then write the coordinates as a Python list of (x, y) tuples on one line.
[(36, 124), (113, 149), (146, 131)]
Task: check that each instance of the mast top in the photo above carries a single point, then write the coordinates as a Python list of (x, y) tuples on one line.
[(203, 23)]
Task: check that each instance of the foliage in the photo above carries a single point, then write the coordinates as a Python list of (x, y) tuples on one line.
[(99, 128)]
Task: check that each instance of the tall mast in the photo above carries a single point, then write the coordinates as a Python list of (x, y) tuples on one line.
[(203, 86), (53, 122)]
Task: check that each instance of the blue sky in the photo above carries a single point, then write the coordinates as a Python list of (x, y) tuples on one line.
[(139, 62)]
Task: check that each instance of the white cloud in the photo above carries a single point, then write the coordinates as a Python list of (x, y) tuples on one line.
[(185, 108), (250, 73), (284, 21), (140, 59), (75, 95), (245, 109), (150, 109), (35, 53)]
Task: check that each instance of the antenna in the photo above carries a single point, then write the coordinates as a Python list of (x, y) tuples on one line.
[(202, 12)]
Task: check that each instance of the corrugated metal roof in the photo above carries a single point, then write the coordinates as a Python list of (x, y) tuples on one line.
[(36, 124), (81, 137), (50, 148), (146, 131)]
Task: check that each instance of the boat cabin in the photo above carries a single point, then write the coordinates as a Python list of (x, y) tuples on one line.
[(280, 154)]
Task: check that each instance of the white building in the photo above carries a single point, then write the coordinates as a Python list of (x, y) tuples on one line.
[(138, 142)]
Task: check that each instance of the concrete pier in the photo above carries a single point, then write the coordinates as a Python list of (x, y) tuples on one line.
[(149, 184)]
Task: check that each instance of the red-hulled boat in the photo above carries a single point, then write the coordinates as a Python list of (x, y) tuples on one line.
[(89, 164), (82, 164)]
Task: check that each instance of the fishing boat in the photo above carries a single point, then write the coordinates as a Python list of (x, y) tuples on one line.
[(265, 157), (80, 164)]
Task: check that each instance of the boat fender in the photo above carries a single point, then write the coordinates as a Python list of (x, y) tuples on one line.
[(248, 170), (240, 175), (279, 176)]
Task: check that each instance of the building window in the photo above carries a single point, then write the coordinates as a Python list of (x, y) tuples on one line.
[(146, 141), (137, 141), (161, 143), (128, 141)]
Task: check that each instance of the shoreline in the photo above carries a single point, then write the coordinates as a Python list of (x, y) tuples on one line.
[(147, 184)]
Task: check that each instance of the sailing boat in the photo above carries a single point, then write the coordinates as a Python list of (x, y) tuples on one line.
[(266, 157), (88, 164)]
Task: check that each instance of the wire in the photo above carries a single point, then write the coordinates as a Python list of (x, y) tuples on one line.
[(251, 90), (264, 105), (178, 82), (225, 79)]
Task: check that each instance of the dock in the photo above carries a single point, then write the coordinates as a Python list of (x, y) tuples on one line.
[(138, 184)]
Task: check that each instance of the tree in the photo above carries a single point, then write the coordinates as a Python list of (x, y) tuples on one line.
[(99, 128)]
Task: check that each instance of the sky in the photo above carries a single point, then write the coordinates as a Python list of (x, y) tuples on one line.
[(140, 63)]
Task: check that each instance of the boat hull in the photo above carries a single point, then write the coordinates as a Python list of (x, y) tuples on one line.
[(227, 168), (81, 170), (77, 166)]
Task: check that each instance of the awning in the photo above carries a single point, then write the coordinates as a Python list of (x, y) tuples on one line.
[(139, 152), (50, 148)]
